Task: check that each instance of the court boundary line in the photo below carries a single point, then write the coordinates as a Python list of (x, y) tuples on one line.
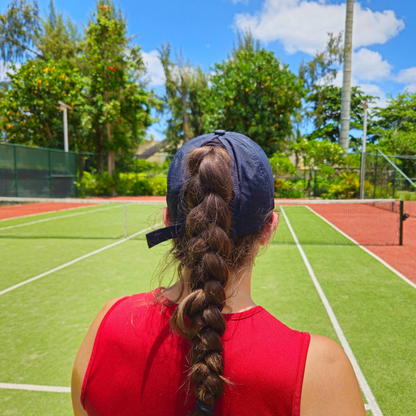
[(51, 219), (368, 394), (42, 213), (35, 387), (402, 276), (70, 263)]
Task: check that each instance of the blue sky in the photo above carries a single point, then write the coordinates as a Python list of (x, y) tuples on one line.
[(384, 60)]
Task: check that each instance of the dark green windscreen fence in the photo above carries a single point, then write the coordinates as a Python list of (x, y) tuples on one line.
[(34, 172)]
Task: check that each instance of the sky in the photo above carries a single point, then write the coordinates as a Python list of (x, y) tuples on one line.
[(384, 56)]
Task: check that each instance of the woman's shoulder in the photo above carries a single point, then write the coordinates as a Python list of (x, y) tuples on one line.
[(84, 354), (329, 384), (128, 304)]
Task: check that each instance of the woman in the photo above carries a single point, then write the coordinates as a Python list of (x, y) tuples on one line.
[(202, 346)]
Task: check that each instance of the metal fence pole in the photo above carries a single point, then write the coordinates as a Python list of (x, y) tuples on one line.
[(125, 219), (401, 220), (362, 194), (314, 185), (394, 179), (375, 177), (50, 173), (16, 187)]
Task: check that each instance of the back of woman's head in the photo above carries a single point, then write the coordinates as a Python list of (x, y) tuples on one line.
[(210, 251)]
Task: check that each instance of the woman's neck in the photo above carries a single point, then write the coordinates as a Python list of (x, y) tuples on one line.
[(238, 291)]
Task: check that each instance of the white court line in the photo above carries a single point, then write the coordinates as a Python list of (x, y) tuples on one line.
[(365, 249), (32, 279), (33, 387), (53, 218), (39, 213), (368, 394)]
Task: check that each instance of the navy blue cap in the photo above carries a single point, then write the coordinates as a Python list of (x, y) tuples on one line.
[(253, 186)]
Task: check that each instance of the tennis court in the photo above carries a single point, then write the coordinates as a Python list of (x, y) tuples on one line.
[(58, 268)]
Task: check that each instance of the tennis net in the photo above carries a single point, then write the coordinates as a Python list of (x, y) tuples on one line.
[(367, 222)]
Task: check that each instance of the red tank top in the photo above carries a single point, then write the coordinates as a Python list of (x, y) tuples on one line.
[(139, 367)]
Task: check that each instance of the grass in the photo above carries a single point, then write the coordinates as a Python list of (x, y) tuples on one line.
[(43, 323)]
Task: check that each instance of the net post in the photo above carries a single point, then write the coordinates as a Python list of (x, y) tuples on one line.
[(125, 219), (394, 179), (401, 220)]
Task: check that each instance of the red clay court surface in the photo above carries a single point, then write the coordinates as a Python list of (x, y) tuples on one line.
[(401, 258)]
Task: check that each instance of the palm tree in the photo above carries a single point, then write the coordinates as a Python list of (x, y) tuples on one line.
[(346, 86)]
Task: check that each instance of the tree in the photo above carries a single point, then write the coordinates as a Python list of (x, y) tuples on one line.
[(60, 39), (25, 35), (245, 41), (119, 108), (29, 109), (322, 69), (19, 31), (394, 126), (346, 84), (185, 88), (254, 94), (326, 113)]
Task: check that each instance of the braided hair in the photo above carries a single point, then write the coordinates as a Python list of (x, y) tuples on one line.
[(210, 257)]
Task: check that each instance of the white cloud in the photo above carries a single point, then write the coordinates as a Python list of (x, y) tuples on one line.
[(407, 76), (303, 25), (369, 65), (375, 91), (154, 68)]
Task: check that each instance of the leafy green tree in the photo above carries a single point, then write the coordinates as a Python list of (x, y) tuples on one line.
[(60, 38), (394, 126), (281, 165), (319, 152), (20, 30), (24, 34), (325, 110), (322, 69), (186, 86), (119, 107), (254, 94), (245, 41), (29, 109)]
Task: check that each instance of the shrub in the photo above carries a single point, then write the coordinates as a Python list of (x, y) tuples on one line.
[(159, 186), (287, 189), (348, 187), (95, 185)]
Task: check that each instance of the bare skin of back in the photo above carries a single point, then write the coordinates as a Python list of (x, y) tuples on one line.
[(330, 387)]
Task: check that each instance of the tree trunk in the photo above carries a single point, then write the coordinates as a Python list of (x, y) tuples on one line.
[(346, 86), (111, 158), (185, 112), (81, 165), (100, 160), (110, 163)]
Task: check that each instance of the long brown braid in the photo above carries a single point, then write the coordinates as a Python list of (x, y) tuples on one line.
[(210, 256)]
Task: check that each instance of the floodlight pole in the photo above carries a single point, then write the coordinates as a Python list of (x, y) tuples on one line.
[(64, 107), (365, 106)]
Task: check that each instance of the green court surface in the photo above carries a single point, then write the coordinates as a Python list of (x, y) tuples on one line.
[(42, 323)]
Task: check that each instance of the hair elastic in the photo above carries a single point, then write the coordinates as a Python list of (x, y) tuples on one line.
[(205, 409)]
